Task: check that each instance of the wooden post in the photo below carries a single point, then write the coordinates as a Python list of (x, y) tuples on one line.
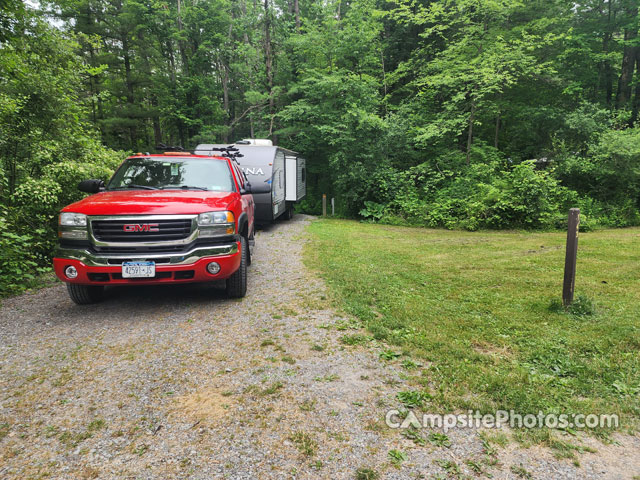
[(333, 206), (571, 257), (324, 205)]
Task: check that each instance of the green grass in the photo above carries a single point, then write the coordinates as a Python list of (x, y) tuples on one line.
[(305, 443), (480, 311)]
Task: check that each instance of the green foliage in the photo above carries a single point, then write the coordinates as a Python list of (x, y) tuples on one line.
[(373, 210), (46, 147), (582, 306), (490, 193), (397, 457), (413, 398), (439, 439), (17, 264), (365, 473)]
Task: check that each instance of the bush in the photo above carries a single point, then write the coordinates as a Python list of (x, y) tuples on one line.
[(483, 195), (522, 197), (17, 265), (29, 223), (607, 178)]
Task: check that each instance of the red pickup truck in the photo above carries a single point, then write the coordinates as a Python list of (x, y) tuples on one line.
[(161, 219)]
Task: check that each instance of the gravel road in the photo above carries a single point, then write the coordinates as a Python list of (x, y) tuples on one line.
[(179, 382)]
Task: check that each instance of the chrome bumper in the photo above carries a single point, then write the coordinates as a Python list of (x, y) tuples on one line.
[(185, 258)]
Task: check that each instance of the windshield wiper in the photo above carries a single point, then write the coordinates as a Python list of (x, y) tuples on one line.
[(185, 187), (143, 187)]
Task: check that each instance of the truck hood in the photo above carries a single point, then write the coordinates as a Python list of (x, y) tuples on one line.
[(152, 202)]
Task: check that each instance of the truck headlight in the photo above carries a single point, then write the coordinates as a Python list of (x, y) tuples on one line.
[(215, 224), (73, 219), (73, 226), (215, 218)]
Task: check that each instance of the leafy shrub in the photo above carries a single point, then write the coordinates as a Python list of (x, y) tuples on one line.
[(37, 201), (582, 306), (17, 266), (607, 177), (373, 210), (483, 195), (521, 197)]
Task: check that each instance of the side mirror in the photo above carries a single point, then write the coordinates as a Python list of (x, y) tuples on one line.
[(246, 189), (91, 186)]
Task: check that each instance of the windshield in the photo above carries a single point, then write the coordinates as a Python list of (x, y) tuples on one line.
[(173, 173)]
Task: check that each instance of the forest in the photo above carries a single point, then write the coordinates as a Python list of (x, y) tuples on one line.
[(462, 114)]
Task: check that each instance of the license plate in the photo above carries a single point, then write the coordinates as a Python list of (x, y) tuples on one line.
[(138, 269)]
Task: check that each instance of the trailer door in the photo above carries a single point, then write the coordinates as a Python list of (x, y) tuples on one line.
[(278, 185)]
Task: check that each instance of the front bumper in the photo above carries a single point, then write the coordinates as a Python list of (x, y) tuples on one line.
[(185, 267)]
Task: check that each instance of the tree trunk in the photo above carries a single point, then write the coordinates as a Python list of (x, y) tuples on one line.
[(225, 102), (636, 98), (628, 63), (384, 79), (268, 54), (226, 80), (92, 86), (243, 8), (472, 118), (183, 50), (296, 11), (157, 130), (608, 71), (129, 83), (497, 134)]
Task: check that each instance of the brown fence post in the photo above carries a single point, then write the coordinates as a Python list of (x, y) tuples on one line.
[(571, 257), (324, 205)]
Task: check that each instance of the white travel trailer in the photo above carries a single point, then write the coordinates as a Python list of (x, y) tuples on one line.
[(277, 176)]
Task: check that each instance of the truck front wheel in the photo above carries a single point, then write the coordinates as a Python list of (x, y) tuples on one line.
[(85, 294), (237, 283)]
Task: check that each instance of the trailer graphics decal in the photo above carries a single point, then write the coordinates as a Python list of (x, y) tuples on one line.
[(253, 171)]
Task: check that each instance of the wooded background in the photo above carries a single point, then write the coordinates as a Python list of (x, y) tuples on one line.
[(459, 114)]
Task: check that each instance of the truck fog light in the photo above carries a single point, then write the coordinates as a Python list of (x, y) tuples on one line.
[(71, 272), (213, 268), (73, 234)]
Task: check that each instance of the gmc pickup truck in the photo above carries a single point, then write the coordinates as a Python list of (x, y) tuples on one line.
[(161, 219)]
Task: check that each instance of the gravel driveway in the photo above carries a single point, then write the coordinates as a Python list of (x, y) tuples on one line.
[(179, 382)]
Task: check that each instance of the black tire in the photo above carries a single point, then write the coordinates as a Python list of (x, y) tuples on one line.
[(251, 242), (85, 294), (237, 283)]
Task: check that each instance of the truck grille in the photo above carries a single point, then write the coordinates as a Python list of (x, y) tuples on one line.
[(139, 231)]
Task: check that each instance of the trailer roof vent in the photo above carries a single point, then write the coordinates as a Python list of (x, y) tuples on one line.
[(258, 142)]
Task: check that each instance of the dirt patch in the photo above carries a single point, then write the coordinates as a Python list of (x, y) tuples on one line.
[(207, 406), (489, 349)]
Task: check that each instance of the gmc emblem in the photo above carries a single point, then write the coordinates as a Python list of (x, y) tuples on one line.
[(145, 227)]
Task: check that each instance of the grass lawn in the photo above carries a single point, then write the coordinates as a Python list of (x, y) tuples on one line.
[(475, 309)]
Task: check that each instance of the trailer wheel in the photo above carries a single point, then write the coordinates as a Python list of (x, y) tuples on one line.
[(85, 294), (237, 283)]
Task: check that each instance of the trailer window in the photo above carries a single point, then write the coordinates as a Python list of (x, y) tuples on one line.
[(173, 173)]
